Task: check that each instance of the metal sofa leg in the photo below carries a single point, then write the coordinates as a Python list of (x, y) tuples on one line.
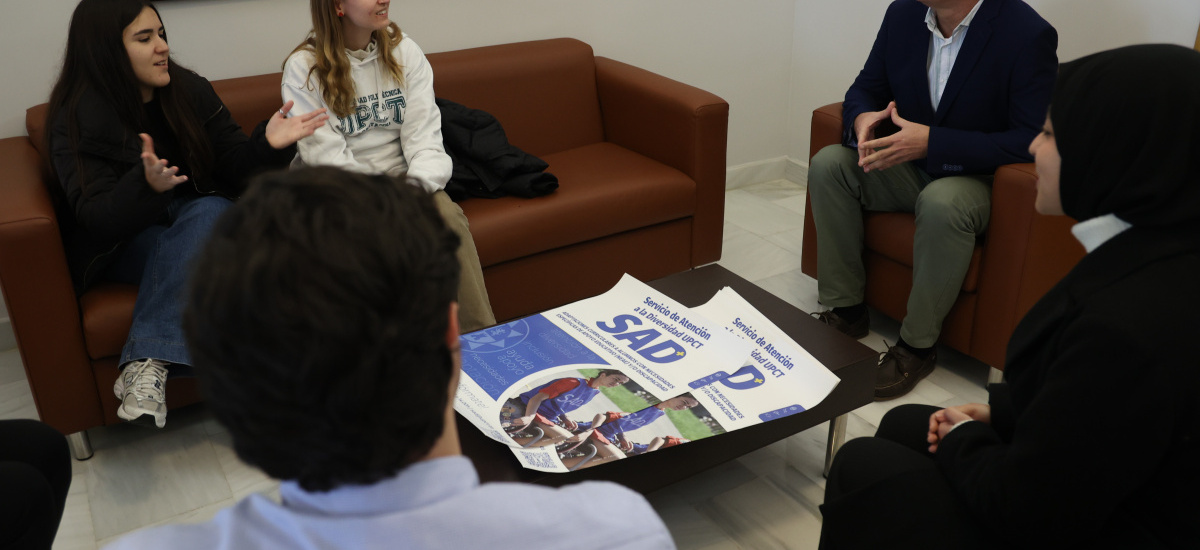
[(81, 445), (995, 375), (837, 436)]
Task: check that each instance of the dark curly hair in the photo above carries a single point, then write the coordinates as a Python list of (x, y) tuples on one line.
[(317, 317)]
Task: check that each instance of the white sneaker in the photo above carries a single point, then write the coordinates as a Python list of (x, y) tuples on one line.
[(142, 389)]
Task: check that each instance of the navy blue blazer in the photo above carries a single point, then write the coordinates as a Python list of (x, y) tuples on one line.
[(994, 102)]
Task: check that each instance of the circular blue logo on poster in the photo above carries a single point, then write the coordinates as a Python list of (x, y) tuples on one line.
[(497, 338)]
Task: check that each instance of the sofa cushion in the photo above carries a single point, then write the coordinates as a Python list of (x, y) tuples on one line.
[(247, 103), (604, 189), (543, 92), (891, 235)]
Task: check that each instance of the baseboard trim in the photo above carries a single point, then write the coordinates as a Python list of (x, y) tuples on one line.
[(796, 172), (762, 171), (754, 172)]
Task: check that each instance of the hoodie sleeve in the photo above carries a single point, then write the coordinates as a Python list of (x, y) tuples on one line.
[(429, 166), (327, 146)]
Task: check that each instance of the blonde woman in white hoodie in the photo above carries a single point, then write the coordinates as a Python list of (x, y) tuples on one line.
[(378, 89)]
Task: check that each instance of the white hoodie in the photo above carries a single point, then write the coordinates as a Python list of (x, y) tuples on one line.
[(394, 130)]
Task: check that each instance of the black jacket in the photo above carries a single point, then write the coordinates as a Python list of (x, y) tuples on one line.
[(1095, 437), (485, 164), (116, 203)]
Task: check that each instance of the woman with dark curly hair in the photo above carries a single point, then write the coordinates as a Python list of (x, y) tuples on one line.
[(1094, 438), (120, 109)]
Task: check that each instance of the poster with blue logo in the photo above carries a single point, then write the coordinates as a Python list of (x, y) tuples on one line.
[(779, 378), (625, 373)]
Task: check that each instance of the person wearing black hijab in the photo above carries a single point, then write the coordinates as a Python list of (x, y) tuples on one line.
[(1093, 441)]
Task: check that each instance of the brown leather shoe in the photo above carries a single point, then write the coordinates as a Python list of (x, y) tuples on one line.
[(856, 330), (899, 370)]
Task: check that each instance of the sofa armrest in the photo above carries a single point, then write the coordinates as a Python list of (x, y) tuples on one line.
[(1026, 254), (679, 125), (826, 128), (41, 301)]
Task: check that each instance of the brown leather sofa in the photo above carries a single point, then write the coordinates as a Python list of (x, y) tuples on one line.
[(1022, 255), (641, 164)]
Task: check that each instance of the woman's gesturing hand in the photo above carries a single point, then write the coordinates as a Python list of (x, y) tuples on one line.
[(283, 131), (161, 177)]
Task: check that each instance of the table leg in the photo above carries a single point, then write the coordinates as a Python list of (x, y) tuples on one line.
[(837, 436)]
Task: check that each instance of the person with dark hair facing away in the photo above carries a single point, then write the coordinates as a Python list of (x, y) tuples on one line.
[(964, 85), (1094, 438), (147, 157), (322, 320), (35, 474)]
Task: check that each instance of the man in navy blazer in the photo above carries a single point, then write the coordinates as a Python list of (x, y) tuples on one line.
[(961, 87)]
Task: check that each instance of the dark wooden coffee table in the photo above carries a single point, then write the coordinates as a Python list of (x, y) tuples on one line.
[(851, 361)]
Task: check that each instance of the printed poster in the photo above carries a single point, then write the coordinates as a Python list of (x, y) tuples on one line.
[(630, 372)]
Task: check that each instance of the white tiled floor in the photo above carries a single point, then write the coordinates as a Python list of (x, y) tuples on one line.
[(767, 499)]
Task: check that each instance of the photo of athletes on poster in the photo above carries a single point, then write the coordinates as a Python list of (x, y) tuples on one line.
[(594, 416)]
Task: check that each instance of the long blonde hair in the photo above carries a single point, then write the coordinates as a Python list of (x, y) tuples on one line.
[(328, 46)]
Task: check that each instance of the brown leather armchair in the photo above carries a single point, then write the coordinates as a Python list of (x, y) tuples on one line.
[(641, 165), (1022, 255)]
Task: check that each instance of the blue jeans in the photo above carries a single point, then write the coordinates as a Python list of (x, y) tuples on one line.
[(158, 260)]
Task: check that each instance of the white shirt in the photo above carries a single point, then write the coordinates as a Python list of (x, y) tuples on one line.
[(430, 504), (943, 51), (1096, 231)]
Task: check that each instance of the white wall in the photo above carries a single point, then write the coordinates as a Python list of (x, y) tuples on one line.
[(774, 61), (737, 50), (833, 38)]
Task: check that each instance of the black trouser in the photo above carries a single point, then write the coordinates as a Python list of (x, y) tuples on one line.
[(887, 492), (35, 472)]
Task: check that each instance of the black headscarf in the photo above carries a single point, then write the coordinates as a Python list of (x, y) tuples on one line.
[(1127, 124)]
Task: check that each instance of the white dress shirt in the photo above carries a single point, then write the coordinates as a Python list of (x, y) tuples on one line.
[(943, 51)]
